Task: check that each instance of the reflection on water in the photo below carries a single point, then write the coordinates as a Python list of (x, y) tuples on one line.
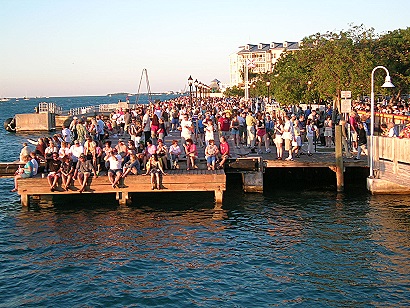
[(310, 248)]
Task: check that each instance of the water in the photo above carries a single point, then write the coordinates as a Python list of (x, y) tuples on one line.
[(283, 248)]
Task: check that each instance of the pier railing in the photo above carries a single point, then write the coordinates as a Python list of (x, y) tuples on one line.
[(49, 107), (391, 154), (82, 110)]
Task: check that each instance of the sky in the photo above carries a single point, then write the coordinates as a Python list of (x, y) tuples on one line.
[(90, 47)]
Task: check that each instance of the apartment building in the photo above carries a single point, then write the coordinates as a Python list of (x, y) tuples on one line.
[(264, 57)]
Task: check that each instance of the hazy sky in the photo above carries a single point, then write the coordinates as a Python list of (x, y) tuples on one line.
[(90, 47)]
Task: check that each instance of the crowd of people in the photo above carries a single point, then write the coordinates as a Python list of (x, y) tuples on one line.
[(84, 147)]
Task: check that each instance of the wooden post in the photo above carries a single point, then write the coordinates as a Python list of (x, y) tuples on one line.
[(339, 159), (122, 198), (218, 196), (25, 200)]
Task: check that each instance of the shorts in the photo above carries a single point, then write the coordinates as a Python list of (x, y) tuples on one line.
[(288, 145), (53, 174), (25, 176), (278, 139), (115, 172), (211, 160), (234, 131)]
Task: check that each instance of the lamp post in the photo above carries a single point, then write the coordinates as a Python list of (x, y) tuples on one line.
[(196, 88), (190, 89), (200, 90), (387, 84), (268, 85)]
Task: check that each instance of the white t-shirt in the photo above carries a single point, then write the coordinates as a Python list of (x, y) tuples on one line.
[(35, 166), (185, 129), (146, 121), (115, 164), (76, 151), (66, 135)]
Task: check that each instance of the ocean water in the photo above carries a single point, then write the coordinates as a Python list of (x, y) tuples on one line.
[(286, 247)]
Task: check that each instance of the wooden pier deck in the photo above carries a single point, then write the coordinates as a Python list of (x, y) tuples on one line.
[(173, 181)]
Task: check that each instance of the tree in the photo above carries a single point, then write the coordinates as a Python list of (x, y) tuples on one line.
[(392, 50), (234, 92)]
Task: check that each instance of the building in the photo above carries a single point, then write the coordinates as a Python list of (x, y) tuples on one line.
[(264, 57)]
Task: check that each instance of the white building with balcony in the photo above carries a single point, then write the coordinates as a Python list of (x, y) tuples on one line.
[(263, 55)]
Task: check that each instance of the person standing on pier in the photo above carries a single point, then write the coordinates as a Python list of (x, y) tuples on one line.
[(361, 140), (278, 137), (288, 135), (250, 129), (186, 128)]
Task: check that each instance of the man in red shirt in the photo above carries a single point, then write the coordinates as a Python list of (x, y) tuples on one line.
[(224, 151), (224, 125)]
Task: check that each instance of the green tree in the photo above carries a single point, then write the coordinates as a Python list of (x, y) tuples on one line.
[(392, 50), (234, 92)]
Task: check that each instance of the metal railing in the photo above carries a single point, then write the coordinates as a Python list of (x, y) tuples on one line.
[(49, 107)]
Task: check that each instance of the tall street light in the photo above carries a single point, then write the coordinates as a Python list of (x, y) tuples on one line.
[(200, 89), (196, 88), (268, 85), (190, 89), (387, 84)]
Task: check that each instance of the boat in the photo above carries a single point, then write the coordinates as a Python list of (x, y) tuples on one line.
[(4, 99)]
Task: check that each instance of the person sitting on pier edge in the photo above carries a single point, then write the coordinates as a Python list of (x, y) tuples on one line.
[(132, 166), (154, 168), (174, 151), (23, 173), (67, 172), (191, 154), (53, 167), (162, 152), (83, 171), (122, 150), (211, 152), (224, 152), (115, 171)]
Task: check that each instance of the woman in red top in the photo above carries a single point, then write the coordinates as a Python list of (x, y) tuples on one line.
[(191, 154), (224, 151)]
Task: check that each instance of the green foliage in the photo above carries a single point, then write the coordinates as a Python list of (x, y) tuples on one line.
[(234, 92)]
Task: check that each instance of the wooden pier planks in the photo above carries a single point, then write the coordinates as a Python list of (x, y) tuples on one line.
[(174, 181)]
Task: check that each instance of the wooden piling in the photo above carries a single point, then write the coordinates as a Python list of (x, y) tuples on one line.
[(339, 159)]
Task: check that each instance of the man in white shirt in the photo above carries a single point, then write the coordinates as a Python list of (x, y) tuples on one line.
[(186, 129), (66, 133), (76, 150), (115, 171), (146, 124)]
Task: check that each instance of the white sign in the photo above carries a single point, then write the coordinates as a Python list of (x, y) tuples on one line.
[(346, 94), (346, 106)]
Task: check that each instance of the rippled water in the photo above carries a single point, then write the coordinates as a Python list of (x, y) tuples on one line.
[(313, 249), (282, 248)]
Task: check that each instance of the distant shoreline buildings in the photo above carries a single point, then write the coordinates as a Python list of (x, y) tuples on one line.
[(264, 57)]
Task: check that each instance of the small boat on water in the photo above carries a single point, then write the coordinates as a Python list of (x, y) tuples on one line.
[(4, 99)]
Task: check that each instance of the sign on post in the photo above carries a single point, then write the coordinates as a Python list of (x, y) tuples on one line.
[(346, 105), (346, 94)]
